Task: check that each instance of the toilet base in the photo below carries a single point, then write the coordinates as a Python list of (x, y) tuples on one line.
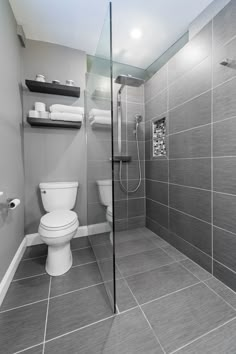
[(59, 259)]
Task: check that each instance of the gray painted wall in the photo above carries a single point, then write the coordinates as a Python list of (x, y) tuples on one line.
[(11, 146), (191, 195), (53, 154)]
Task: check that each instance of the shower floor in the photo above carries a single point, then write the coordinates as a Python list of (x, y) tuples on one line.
[(166, 303)]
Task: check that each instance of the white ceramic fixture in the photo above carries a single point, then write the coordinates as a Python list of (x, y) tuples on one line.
[(105, 194), (59, 225)]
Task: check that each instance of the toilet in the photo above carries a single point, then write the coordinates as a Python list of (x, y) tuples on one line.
[(59, 225), (105, 194)]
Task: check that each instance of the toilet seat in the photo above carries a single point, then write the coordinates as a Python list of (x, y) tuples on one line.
[(58, 223)]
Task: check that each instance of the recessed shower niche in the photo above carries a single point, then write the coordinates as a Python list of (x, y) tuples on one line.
[(159, 137)]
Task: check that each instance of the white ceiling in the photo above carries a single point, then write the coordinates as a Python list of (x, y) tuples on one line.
[(78, 24)]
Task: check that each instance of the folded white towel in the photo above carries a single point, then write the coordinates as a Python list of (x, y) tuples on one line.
[(66, 109), (68, 117), (99, 112), (100, 120)]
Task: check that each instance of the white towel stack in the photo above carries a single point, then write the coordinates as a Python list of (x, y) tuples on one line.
[(100, 116), (66, 113)]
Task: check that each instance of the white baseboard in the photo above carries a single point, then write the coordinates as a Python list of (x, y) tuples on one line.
[(34, 239), (9, 275)]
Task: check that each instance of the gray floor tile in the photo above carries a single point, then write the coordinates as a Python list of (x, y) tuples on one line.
[(106, 270), (220, 341), (125, 299), (77, 278), (157, 240), (222, 290), (77, 309), (128, 235), (31, 267), (99, 239), (143, 262), (80, 242), (174, 253), (36, 251), (194, 268), (82, 256), (131, 247), (159, 282), (26, 291), (125, 333), (35, 350), (184, 316), (22, 328), (102, 251)]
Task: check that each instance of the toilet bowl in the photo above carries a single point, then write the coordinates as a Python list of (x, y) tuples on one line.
[(105, 194), (59, 225)]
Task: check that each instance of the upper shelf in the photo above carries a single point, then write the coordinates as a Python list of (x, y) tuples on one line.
[(54, 89)]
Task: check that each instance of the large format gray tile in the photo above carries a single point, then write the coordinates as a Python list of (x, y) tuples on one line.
[(224, 246), (156, 106), (222, 290), (192, 230), (180, 63), (159, 282), (224, 207), (35, 350), (22, 328), (156, 84), (138, 221), (126, 333), (224, 105), (135, 94), (143, 262), (128, 235), (131, 247), (96, 213), (77, 278), (193, 83), (140, 193), (124, 297), (80, 242), (197, 271), (224, 175), (184, 316), (191, 172), (157, 212), (136, 207), (195, 202), (220, 341), (31, 267), (191, 114), (103, 251), (36, 251), (224, 27), (157, 191), (173, 252), (224, 274), (82, 256), (77, 309), (157, 170), (26, 291), (224, 138), (197, 140)]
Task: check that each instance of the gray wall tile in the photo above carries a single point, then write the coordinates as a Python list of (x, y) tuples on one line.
[(136, 207), (194, 231), (224, 246), (156, 106), (224, 105), (192, 143), (224, 207), (192, 201), (157, 191), (157, 170), (156, 84), (224, 274), (224, 26), (224, 138), (192, 84), (191, 114), (224, 174), (157, 212), (195, 173)]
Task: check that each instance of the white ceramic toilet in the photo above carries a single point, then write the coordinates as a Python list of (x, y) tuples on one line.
[(59, 225), (105, 194)]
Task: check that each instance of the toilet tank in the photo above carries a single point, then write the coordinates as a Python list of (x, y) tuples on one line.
[(58, 195), (105, 191)]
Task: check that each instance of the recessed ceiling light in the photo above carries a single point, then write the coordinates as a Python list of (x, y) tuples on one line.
[(136, 33)]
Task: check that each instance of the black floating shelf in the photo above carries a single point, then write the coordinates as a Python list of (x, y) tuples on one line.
[(123, 158), (40, 122), (54, 89)]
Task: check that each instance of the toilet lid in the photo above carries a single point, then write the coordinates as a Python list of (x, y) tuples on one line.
[(58, 219), (109, 210)]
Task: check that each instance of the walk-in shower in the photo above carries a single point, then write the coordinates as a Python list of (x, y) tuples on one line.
[(127, 80)]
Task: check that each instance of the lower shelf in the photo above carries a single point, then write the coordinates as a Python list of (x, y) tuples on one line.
[(40, 122)]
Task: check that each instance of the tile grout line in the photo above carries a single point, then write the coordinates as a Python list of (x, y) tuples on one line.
[(220, 297), (212, 177), (46, 321), (152, 330), (202, 336), (32, 347), (28, 304)]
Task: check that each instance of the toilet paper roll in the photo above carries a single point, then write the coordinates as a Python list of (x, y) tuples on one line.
[(13, 203), (40, 106), (33, 114)]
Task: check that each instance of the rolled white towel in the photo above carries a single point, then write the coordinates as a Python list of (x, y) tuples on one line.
[(100, 120), (66, 109), (99, 113), (67, 117)]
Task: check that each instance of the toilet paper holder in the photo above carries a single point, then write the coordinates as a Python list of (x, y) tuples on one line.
[(12, 203)]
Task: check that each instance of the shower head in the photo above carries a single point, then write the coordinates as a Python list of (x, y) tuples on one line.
[(138, 118), (129, 80)]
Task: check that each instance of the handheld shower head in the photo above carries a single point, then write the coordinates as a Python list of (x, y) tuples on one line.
[(138, 118)]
